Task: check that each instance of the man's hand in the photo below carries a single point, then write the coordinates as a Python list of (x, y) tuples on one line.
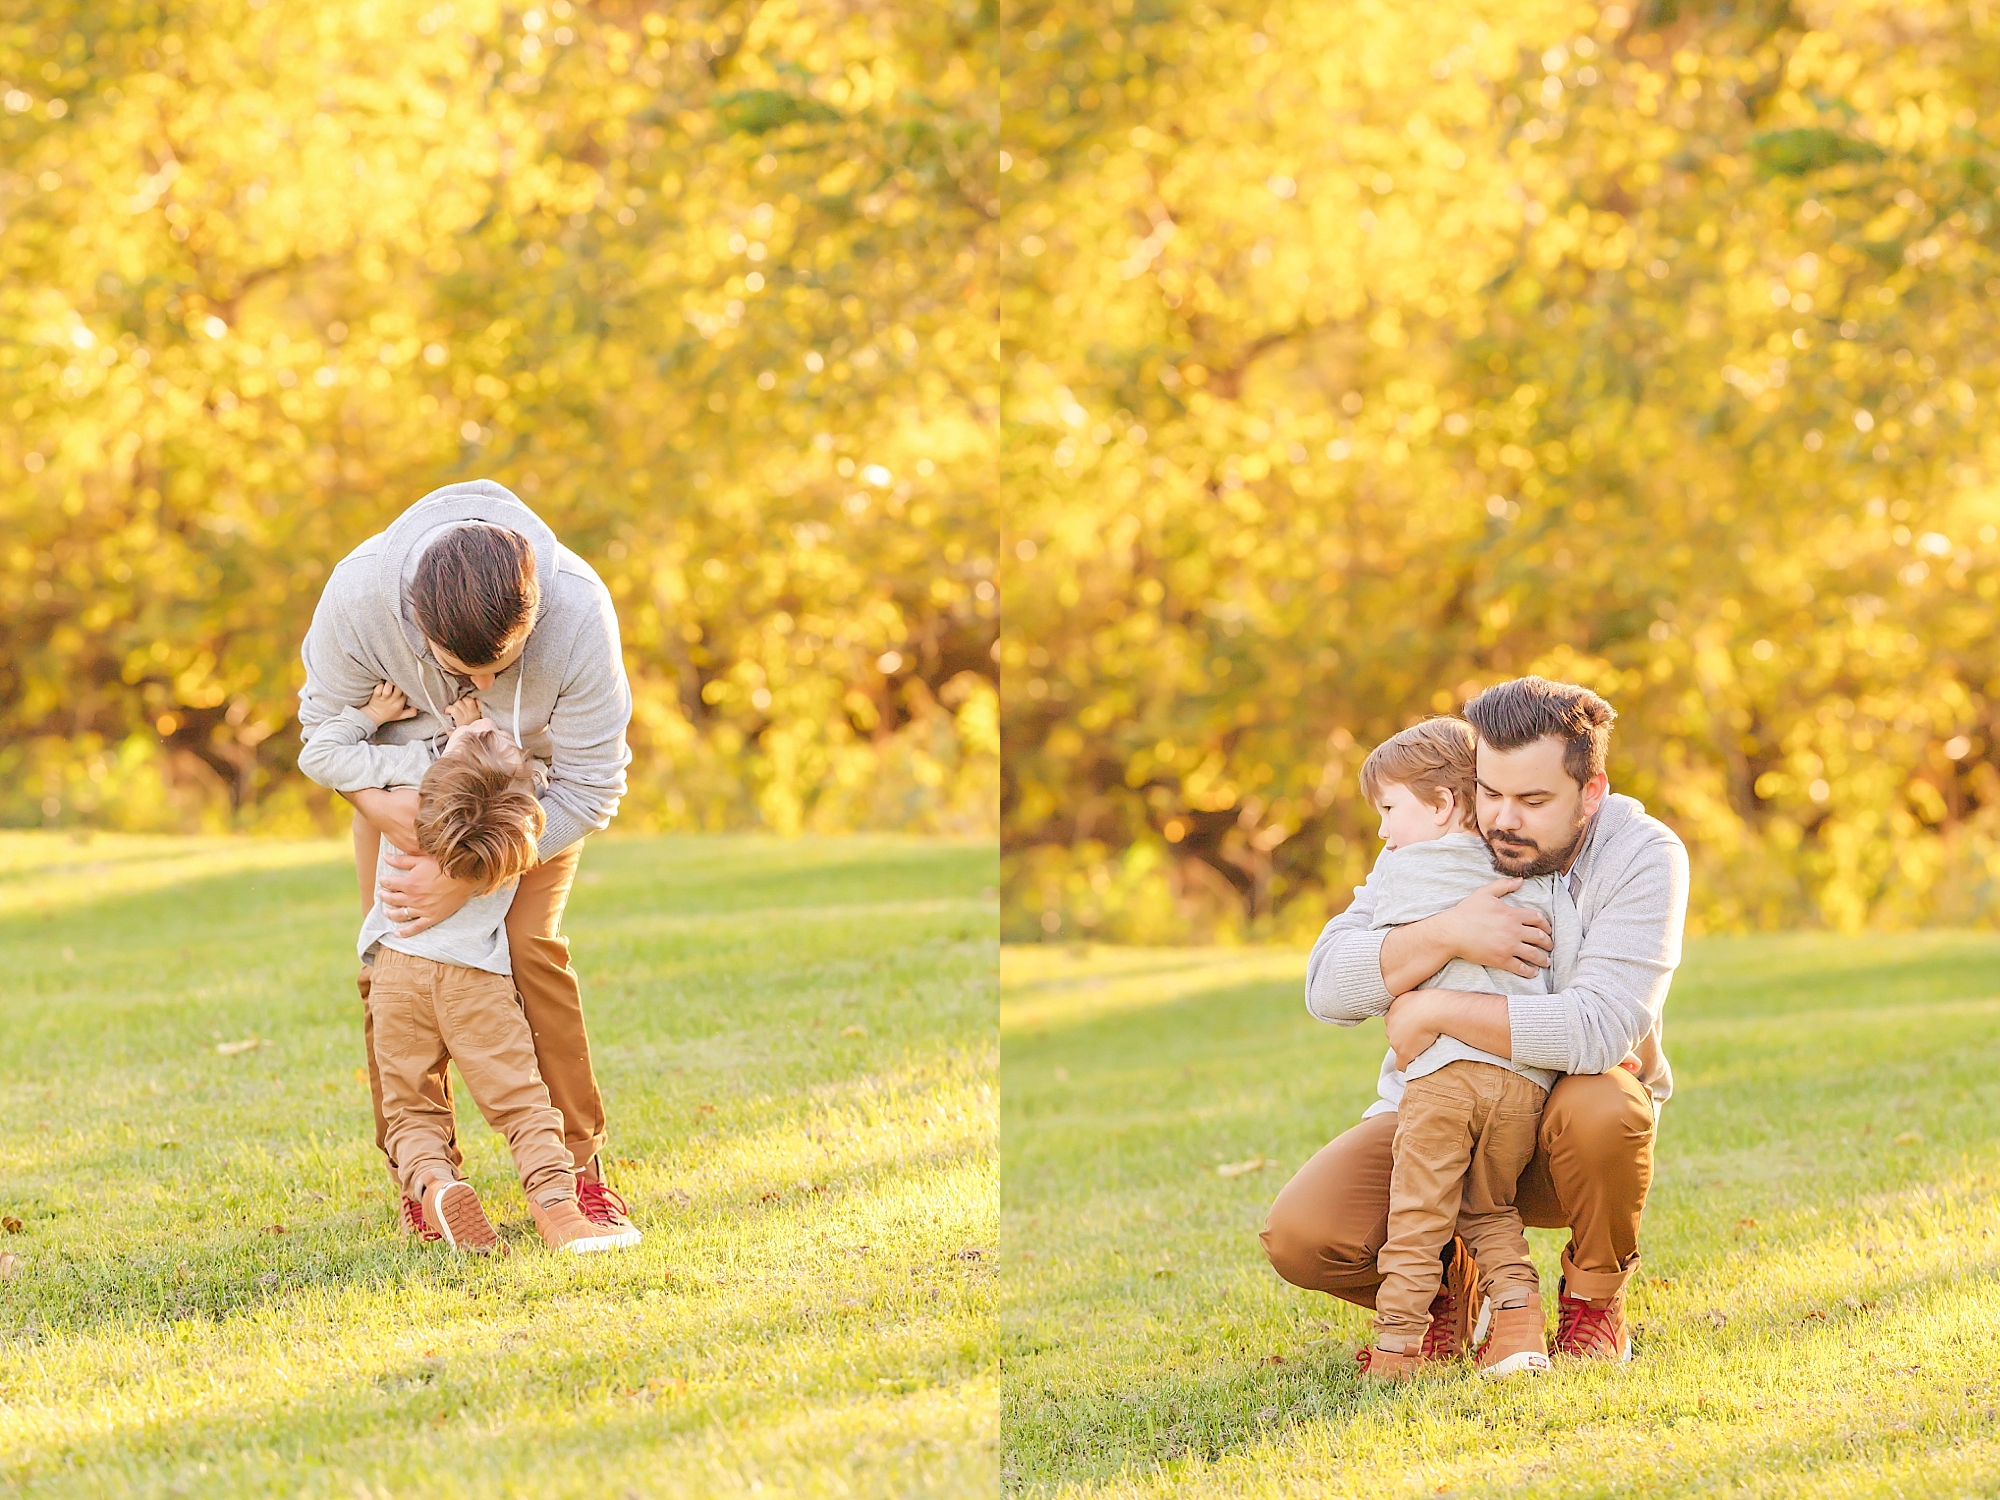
[(1481, 929), (418, 894), (1410, 1026), (394, 813)]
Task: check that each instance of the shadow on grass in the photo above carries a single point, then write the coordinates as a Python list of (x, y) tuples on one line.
[(1057, 1437), (1850, 1045)]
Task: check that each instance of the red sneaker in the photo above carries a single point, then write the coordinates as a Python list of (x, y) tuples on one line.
[(1586, 1331), (604, 1208), (414, 1223), (1450, 1333)]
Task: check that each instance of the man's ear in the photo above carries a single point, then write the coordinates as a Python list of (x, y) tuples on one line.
[(1593, 793)]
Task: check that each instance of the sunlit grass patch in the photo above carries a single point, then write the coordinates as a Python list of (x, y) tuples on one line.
[(796, 1043), (1815, 1311)]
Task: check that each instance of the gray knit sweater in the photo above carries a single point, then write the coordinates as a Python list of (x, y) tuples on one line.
[(1631, 897), (566, 697)]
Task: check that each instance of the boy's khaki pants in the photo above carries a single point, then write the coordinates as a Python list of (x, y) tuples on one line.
[(423, 1013), (1463, 1135), (551, 1000), (1592, 1166)]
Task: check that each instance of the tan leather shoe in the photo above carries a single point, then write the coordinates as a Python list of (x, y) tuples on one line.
[(1516, 1346), (1385, 1365), (564, 1228), (1592, 1330)]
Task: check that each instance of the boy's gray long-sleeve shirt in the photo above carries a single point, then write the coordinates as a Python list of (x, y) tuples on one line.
[(1421, 880), (344, 760), (1631, 883), (566, 698)]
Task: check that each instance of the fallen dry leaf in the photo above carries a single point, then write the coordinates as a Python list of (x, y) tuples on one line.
[(1717, 1318), (854, 1031), (11, 1224), (10, 1264), (1239, 1168), (1274, 1359), (274, 1229), (230, 1049), (704, 1109)]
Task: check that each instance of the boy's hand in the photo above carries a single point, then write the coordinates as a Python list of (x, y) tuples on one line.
[(387, 703), (465, 710), (1409, 1026)]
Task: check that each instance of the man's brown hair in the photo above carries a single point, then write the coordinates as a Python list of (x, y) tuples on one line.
[(476, 591), (1430, 758), (477, 814), (1512, 714)]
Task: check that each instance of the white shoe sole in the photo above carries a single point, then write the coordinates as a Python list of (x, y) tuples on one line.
[(1527, 1362), (621, 1239)]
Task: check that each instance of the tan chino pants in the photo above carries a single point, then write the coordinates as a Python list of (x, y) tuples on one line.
[(1463, 1136), (1592, 1165), (421, 1013), (552, 1002)]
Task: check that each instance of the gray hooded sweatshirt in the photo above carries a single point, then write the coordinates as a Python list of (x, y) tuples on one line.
[(1631, 890), (565, 700)]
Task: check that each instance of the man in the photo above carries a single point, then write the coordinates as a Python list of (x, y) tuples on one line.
[(468, 591), (1544, 807)]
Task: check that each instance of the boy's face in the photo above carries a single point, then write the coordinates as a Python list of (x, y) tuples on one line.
[(1408, 819), (1531, 810)]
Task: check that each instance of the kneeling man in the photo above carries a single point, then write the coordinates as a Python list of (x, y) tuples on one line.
[(1544, 808)]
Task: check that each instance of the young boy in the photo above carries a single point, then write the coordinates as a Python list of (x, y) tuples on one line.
[(1467, 1122), (448, 992)]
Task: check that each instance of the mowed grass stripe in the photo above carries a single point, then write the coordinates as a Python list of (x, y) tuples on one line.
[(804, 1112), (1814, 1310)]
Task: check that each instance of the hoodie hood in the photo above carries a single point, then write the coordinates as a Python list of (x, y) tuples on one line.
[(474, 500)]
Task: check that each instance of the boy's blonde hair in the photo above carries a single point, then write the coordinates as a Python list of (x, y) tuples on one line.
[(1430, 758), (477, 814)]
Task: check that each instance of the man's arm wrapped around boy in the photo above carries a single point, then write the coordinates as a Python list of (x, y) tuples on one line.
[(1344, 973), (1624, 966), (342, 757)]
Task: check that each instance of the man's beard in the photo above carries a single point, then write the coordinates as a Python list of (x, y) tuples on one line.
[(1524, 859)]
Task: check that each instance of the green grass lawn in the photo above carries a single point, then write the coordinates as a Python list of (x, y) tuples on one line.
[(1817, 1313), (206, 1295)]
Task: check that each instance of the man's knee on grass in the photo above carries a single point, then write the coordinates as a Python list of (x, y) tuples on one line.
[(1297, 1247)]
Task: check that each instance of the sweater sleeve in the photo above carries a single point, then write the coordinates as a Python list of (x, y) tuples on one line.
[(1344, 974), (587, 734), (1624, 965), (337, 676), (341, 758)]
